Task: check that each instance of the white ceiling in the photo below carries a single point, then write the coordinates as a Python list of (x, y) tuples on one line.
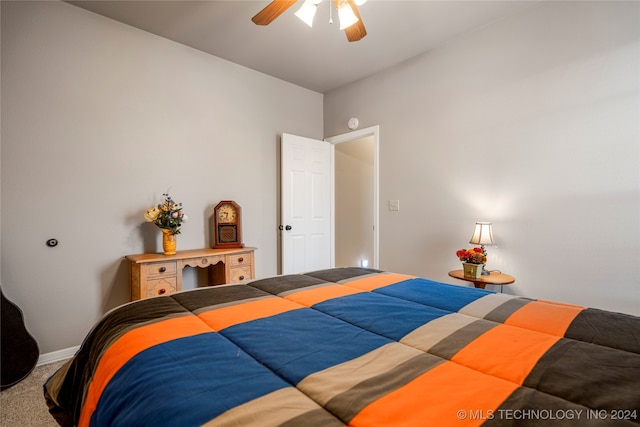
[(318, 58)]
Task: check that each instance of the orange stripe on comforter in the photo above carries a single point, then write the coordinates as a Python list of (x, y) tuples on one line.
[(444, 396), (505, 352), (314, 296), (371, 283), (545, 316), (221, 318)]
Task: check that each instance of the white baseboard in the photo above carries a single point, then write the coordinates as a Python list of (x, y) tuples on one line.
[(56, 356)]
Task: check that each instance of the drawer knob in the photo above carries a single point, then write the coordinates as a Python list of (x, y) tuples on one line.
[(163, 269), (240, 259), (162, 291), (241, 277)]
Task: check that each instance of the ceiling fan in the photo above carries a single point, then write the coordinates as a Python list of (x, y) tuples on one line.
[(348, 14)]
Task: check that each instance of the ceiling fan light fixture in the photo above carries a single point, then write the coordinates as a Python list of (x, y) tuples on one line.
[(346, 15), (307, 11), (350, 21)]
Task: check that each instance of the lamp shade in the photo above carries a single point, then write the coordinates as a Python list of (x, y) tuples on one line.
[(346, 15), (307, 12), (482, 234)]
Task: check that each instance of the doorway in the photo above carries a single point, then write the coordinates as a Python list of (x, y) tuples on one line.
[(355, 216)]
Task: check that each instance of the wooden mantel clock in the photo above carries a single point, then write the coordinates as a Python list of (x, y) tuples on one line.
[(227, 225)]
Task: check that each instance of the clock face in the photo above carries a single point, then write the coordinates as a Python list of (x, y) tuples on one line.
[(227, 213)]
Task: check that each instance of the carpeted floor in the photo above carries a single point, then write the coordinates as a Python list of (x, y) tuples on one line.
[(23, 404)]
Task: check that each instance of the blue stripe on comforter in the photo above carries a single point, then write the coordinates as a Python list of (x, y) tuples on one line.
[(282, 342), (391, 317), (434, 294), (207, 373)]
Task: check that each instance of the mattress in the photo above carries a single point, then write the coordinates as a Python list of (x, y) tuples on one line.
[(351, 346)]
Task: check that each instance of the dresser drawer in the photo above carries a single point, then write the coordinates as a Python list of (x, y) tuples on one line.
[(240, 259), (158, 287), (240, 274), (154, 269)]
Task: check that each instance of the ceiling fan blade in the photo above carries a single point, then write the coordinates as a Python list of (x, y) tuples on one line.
[(272, 11), (356, 31)]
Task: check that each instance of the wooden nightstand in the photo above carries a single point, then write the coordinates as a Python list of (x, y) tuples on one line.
[(494, 278), (158, 274)]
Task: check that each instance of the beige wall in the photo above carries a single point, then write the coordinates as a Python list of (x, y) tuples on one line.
[(532, 123), (98, 120)]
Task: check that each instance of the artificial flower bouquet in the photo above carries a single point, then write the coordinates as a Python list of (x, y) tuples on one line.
[(473, 255), (167, 215)]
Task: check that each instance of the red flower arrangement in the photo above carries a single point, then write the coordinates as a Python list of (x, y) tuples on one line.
[(473, 255)]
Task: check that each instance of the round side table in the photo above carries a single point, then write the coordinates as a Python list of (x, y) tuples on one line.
[(494, 278)]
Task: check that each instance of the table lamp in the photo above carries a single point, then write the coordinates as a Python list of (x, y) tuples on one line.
[(483, 236)]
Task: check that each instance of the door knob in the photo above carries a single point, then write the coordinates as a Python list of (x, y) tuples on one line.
[(288, 227)]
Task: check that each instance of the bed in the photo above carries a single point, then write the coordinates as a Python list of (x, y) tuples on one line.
[(351, 346)]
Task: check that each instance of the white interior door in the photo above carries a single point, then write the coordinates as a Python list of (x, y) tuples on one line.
[(306, 204)]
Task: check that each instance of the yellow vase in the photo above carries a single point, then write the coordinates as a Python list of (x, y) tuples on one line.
[(168, 242)]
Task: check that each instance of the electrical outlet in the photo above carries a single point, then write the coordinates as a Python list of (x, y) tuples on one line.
[(394, 205)]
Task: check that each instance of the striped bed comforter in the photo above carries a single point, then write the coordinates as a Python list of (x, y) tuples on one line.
[(351, 346)]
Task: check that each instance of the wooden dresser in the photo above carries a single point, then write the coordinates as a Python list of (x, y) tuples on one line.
[(159, 274)]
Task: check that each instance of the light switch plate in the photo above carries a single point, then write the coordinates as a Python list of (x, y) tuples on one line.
[(394, 205)]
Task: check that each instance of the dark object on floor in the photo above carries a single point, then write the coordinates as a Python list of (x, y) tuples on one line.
[(19, 349)]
